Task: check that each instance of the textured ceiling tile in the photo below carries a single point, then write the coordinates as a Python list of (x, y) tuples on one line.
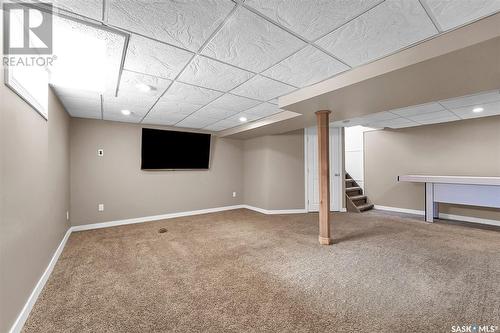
[(82, 107), (195, 122), (248, 41), (213, 74), (450, 14), (274, 101), (434, 117), (216, 127), (88, 58), (310, 18), (418, 109), (186, 93), (263, 110), (262, 88), (393, 123), (137, 104), (306, 67), (386, 28), (233, 103), (88, 8), (154, 58), (186, 24), (379, 116), (489, 109), (156, 117), (236, 119), (214, 113), (131, 82), (471, 100)]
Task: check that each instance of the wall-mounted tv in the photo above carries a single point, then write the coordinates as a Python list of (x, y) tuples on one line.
[(172, 150)]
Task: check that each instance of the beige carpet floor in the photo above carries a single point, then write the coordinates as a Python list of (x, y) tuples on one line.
[(241, 271)]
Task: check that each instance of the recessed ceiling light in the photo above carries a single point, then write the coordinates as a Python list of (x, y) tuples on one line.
[(144, 87), (477, 110), (126, 112), (243, 119), (346, 121)]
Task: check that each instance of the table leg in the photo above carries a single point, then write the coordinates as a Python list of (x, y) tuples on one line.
[(429, 202)]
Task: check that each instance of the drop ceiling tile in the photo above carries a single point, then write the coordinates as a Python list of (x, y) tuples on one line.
[(82, 107), (305, 67), (214, 113), (262, 88), (379, 116), (216, 128), (434, 117), (274, 101), (249, 118), (418, 109), (489, 109), (212, 74), (87, 8), (450, 14), (154, 58), (130, 84), (384, 29), (393, 123), (248, 41), (88, 58), (138, 106), (188, 94), (163, 118), (471, 100), (263, 110), (195, 122), (233, 103), (186, 24), (311, 19)]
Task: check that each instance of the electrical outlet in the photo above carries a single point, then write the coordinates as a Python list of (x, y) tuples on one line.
[(101, 207), (234, 194), (100, 152), (67, 216)]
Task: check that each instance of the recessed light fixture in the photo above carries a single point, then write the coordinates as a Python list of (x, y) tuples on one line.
[(477, 110), (347, 121), (144, 87), (243, 119), (126, 112)]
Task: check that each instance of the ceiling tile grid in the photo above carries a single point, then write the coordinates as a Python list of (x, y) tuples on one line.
[(308, 66), (187, 24), (262, 88), (390, 26), (450, 14), (310, 18), (226, 58), (150, 57), (249, 41), (209, 73)]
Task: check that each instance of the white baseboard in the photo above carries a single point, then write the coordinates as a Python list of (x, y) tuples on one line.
[(153, 218), (441, 215), (275, 211), (21, 319)]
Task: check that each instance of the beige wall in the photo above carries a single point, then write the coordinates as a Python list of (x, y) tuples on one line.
[(467, 147), (34, 181), (117, 181), (274, 171)]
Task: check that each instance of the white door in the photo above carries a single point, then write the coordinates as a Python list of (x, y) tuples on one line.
[(311, 164)]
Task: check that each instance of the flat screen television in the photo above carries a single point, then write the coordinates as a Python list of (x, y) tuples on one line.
[(172, 150)]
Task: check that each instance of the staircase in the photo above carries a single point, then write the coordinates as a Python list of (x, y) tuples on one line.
[(355, 200)]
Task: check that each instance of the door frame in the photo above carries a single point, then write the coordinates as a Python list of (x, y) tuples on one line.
[(339, 189)]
